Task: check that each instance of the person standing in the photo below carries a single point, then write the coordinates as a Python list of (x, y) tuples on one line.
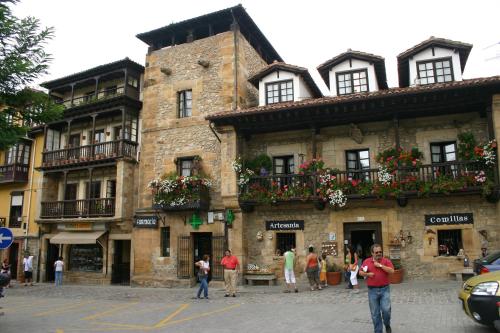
[(322, 274), (6, 270), (204, 268), (376, 269), (28, 269), (288, 270), (231, 268), (312, 269), (58, 267), (353, 269)]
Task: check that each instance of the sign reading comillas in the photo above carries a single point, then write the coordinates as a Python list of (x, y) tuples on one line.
[(285, 225), (452, 218)]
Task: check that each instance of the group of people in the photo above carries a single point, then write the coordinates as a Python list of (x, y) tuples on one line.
[(375, 270), (231, 269)]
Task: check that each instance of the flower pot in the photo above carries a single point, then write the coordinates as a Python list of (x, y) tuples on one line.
[(333, 278), (397, 276)]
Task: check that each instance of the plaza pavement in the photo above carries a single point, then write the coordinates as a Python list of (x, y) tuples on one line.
[(417, 306)]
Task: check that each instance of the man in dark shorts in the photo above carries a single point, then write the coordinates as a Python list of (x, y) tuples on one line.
[(376, 269), (28, 270)]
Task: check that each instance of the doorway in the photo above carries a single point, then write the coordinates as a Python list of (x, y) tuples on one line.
[(14, 259), (362, 235), (202, 244), (52, 255), (121, 263)]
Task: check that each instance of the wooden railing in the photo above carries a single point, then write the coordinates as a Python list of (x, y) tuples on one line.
[(97, 151), (363, 183), (88, 99), (78, 208), (14, 173)]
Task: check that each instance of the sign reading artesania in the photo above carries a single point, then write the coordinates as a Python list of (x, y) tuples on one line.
[(452, 218), (146, 222), (285, 225)]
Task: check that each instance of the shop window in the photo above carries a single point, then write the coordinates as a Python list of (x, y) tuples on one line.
[(85, 258), (284, 241), (449, 242), (165, 241)]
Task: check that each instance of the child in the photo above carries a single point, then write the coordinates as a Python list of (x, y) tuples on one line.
[(322, 274)]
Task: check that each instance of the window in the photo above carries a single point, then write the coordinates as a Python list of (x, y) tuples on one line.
[(443, 152), (16, 210), (52, 140), (435, 71), (185, 103), (111, 189), (278, 92), (449, 242), (352, 82), (86, 258), (95, 191), (132, 81), (110, 91), (284, 242), (165, 241), (358, 160), (89, 96), (19, 154), (283, 165), (185, 166)]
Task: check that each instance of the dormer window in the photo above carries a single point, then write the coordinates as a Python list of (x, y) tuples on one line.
[(352, 82), (277, 92), (433, 71)]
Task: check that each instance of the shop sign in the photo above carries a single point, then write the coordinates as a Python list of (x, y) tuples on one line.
[(146, 222), (452, 218), (285, 225), (79, 226)]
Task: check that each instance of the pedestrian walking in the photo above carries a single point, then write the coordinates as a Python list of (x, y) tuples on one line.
[(353, 269), (288, 270), (312, 269), (231, 269), (347, 268), (377, 269), (59, 267), (322, 274), (6, 270), (28, 269), (203, 270)]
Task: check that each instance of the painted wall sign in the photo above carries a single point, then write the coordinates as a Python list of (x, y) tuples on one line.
[(285, 225), (146, 222), (452, 218), (329, 248)]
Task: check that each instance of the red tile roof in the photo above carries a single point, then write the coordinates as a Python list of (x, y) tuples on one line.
[(312, 102)]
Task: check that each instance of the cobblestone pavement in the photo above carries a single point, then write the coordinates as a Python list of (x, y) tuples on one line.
[(417, 307)]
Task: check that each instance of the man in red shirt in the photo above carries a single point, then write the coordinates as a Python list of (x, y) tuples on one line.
[(231, 269), (376, 269)]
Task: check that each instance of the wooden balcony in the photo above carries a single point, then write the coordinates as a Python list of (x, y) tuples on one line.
[(100, 207), (14, 173), (200, 201), (102, 95), (451, 178), (94, 153)]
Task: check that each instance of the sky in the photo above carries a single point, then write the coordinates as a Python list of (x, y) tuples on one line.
[(305, 33)]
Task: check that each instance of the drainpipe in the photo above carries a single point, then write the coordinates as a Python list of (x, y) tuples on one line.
[(30, 189), (235, 28)]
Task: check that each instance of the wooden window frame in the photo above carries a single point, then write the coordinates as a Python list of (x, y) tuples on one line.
[(179, 164), (358, 163), (279, 90), (435, 76), (442, 153), (365, 70), (458, 236), (182, 104), (280, 236), (286, 158)]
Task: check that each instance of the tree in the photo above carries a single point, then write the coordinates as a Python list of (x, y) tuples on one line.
[(22, 60)]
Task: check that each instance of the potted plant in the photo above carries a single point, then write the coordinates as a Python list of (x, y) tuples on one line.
[(397, 276), (333, 274)]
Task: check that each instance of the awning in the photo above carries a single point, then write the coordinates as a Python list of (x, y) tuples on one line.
[(66, 237)]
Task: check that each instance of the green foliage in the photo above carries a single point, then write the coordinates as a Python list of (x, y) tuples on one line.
[(332, 267), (466, 145), (258, 162), (22, 60)]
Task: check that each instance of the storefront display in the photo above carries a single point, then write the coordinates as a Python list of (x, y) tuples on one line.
[(86, 258)]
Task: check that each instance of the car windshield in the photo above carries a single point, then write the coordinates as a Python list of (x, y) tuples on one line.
[(491, 257)]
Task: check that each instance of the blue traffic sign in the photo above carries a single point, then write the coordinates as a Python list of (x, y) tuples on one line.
[(6, 238)]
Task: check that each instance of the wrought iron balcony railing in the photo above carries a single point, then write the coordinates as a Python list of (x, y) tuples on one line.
[(198, 199), (99, 207), (450, 178)]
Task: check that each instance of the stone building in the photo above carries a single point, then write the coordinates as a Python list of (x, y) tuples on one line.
[(88, 165), (403, 167), (194, 68), (411, 167)]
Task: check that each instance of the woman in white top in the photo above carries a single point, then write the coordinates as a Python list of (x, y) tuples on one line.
[(58, 266), (204, 268)]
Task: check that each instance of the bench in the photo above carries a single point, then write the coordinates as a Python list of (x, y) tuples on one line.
[(250, 278), (459, 275)]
